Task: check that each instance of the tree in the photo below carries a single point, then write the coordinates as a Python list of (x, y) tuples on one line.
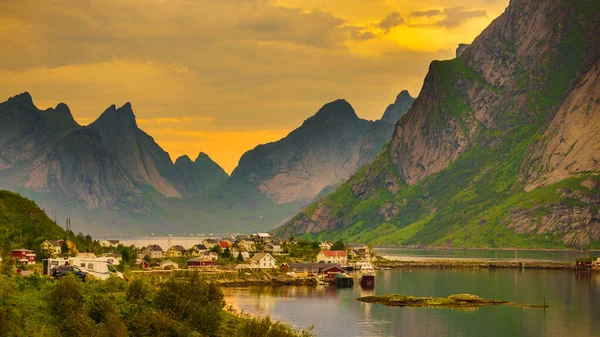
[(338, 245), (147, 258), (240, 257), (126, 255), (64, 247), (226, 253), (216, 249)]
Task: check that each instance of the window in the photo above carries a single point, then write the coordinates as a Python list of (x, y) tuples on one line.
[(90, 266), (83, 264)]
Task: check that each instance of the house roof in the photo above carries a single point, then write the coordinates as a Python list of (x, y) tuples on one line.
[(211, 240), (335, 266), (259, 256), (224, 244), (162, 263), (54, 242), (22, 250), (334, 253), (155, 248), (178, 248), (200, 247), (263, 235), (114, 241)]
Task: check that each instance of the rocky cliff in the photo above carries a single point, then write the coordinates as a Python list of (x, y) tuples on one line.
[(323, 152), (499, 149)]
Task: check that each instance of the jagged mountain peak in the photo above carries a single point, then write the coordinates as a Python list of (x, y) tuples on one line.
[(399, 108), (183, 160), (339, 109), (203, 157), (114, 116), (24, 98)]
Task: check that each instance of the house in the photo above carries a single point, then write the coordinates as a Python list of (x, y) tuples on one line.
[(154, 251), (210, 243), (332, 271), (596, 263), (168, 264), (247, 244), (23, 256), (224, 244), (109, 243), (143, 264), (325, 245), (274, 247), (333, 256), (243, 266), (263, 261), (51, 246), (210, 256), (236, 251), (175, 251), (199, 262), (198, 249), (261, 237)]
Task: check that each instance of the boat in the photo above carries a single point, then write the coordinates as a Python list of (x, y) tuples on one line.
[(367, 273)]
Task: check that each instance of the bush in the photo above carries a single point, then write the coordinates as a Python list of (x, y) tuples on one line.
[(139, 290), (67, 296)]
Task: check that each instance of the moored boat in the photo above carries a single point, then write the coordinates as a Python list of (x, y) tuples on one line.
[(367, 274)]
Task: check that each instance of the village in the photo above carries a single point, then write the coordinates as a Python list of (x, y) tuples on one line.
[(299, 260)]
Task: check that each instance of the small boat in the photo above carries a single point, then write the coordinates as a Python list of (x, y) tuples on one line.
[(367, 274)]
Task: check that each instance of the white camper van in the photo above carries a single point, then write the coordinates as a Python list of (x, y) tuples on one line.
[(99, 268)]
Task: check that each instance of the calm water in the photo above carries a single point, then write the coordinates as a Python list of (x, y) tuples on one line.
[(537, 255), (574, 300)]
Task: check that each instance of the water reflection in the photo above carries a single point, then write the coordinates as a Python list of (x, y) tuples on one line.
[(574, 299)]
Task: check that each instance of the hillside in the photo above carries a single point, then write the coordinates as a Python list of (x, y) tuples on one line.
[(500, 149), (23, 224)]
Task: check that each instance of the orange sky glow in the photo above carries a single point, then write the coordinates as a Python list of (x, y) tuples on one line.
[(224, 76)]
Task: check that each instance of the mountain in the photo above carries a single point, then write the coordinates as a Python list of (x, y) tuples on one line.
[(399, 108), (323, 152), (500, 148), (143, 160), (196, 177), (112, 177)]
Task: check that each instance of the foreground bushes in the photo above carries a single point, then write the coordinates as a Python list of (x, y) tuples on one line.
[(182, 305)]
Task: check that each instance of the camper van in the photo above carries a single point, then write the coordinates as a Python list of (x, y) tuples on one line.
[(99, 268)]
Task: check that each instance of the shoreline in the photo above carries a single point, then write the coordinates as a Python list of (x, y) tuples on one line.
[(483, 264), (491, 249)]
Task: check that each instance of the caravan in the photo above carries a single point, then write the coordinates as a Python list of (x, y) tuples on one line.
[(99, 268)]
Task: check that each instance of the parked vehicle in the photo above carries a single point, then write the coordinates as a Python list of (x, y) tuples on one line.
[(64, 270)]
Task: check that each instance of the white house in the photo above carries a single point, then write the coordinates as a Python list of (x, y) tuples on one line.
[(333, 256), (274, 247), (154, 251), (210, 256), (168, 264), (109, 243), (237, 251), (263, 261), (325, 245), (248, 244)]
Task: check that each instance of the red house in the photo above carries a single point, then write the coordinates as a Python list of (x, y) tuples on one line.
[(23, 256), (224, 244), (332, 271), (199, 263), (144, 264)]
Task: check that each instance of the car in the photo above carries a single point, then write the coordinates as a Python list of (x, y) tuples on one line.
[(61, 271)]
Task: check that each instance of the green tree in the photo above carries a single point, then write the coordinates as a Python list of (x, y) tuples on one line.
[(216, 249), (226, 253), (240, 257), (338, 245), (64, 247)]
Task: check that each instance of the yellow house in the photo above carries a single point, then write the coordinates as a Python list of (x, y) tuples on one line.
[(175, 251), (51, 246)]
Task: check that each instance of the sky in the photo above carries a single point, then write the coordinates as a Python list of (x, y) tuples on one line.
[(222, 76)]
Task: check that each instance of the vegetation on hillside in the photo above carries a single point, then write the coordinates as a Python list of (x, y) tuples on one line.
[(181, 305)]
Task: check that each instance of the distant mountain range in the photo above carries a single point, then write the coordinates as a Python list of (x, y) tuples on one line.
[(500, 149), (113, 178)]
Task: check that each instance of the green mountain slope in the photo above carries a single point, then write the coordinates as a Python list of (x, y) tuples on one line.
[(24, 225), (499, 149)]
